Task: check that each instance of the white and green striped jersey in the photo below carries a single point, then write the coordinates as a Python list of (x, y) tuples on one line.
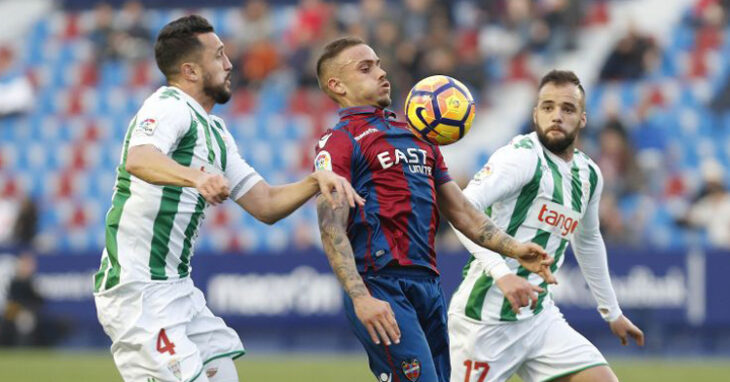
[(534, 195), (150, 229)]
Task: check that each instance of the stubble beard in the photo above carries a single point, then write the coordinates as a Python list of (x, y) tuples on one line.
[(384, 102), (218, 93), (557, 145)]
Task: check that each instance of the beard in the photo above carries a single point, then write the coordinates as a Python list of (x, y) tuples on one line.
[(556, 145), (219, 93), (384, 102)]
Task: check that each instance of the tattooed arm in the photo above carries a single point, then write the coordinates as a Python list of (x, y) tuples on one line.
[(376, 315), (481, 230)]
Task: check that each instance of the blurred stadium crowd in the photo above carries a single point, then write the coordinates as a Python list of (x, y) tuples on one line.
[(659, 110)]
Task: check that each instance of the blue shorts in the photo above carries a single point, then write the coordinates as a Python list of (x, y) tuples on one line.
[(418, 302)]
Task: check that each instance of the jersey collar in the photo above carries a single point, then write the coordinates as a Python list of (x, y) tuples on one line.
[(190, 100), (366, 110), (552, 155)]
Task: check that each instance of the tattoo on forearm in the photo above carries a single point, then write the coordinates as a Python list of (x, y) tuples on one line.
[(492, 237), (337, 247)]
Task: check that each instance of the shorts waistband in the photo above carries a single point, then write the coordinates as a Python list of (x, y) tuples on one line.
[(407, 272)]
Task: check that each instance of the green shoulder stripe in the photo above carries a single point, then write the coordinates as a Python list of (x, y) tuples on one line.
[(524, 143), (170, 93)]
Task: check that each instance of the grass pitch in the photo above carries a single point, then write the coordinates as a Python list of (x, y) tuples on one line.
[(35, 365)]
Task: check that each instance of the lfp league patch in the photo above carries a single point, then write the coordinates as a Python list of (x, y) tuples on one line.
[(411, 369), (323, 161), (483, 173), (148, 126)]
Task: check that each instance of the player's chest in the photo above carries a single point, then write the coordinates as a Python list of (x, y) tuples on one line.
[(397, 154), (566, 185), (209, 149)]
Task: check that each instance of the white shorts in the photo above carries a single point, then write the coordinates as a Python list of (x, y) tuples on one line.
[(540, 348), (163, 331)]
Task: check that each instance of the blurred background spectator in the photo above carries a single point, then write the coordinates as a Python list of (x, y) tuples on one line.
[(657, 99), (710, 211), (16, 87), (20, 320), (632, 57)]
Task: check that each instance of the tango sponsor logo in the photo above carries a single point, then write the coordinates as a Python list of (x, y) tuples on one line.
[(565, 224), (555, 218)]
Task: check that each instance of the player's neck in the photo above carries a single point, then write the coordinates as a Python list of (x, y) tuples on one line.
[(345, 103), (566, 155), (196, 93)]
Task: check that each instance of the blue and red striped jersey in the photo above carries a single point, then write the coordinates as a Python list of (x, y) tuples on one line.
[(397, 174)]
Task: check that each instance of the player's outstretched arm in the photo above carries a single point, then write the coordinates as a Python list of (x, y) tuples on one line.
[(481, 230), (148, 163), (270, 204), (376, 315)]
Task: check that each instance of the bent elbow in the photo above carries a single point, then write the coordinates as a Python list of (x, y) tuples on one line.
[(131, 166), (266, 218), (270, 220)]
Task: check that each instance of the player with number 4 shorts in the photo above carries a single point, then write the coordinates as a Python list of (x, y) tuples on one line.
[(176, 160), (540, 189)]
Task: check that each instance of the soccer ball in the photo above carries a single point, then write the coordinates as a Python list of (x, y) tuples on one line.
[(439, 110)]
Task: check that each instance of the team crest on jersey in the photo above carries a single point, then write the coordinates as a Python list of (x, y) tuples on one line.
[(148, 126), (411, 369), (323, 161), (174, 367)]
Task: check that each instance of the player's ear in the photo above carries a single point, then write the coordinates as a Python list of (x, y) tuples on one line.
[(336, 86), (534, 115), (190, 71), (583, 119)]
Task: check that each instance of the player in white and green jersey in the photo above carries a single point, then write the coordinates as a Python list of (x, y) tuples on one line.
[(176, 160), (538, 188)]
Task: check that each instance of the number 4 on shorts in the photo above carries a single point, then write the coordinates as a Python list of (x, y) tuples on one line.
[(478, 367), (163, 343)]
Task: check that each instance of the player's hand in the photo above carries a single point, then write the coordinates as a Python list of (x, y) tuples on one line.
[(518, 291), (328, 181), (534, 258), (213, 187), (378, 318), (623, 328)]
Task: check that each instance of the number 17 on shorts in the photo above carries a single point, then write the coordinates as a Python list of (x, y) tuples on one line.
[(475, 371)]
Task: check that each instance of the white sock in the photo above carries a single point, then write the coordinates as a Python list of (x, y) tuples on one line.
[(221, 370)]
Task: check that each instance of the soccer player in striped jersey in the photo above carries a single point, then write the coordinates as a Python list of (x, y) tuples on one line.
[(176, 160), (383, 252), (540, 189)]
